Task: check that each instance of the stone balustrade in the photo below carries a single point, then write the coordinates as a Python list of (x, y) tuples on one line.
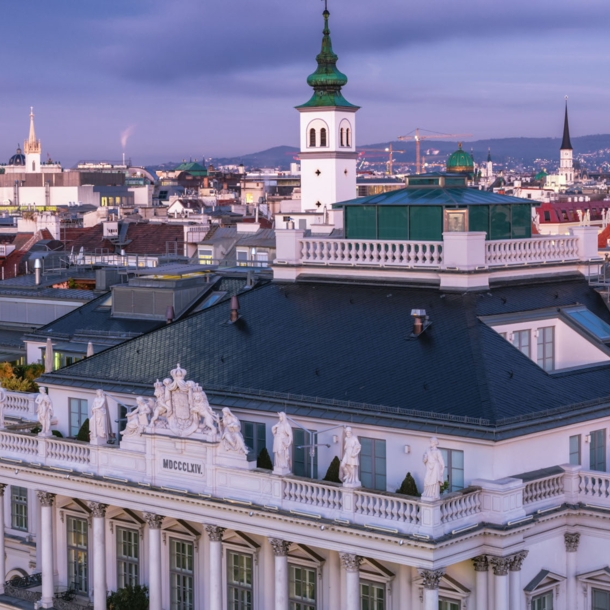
[(20, 404), (536, 250)]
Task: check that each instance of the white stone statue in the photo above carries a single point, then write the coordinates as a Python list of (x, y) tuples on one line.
[(137, 419), (201, 408), (587, 218), (232, 438), (282, 446), (161, 409), (580, 217), (435, 471), (98, 421), (348, 471), (2, 405), (44, 412)]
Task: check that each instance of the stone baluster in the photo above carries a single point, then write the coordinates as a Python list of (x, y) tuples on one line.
[(2, 557), (154, 523), (481, 567), (351, 564), (500, 566), (215, 534), (431, 580), (100, 590), (572, 540), (46, 500), (280, 550), (517, 598)]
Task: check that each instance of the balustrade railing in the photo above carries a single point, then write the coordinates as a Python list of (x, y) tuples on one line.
[(371, 252), (459, 507), (311, 493), (68, 451), (556, 248), (594, 486), (20, 404), (18, 444), (391, 508), (543, 489)]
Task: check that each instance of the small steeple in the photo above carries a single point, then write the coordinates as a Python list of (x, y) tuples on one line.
[(32, 138), (32, 145), (489, 155), (566, 144), (327, 80)]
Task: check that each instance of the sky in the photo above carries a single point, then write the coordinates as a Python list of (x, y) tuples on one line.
[(193, 78)]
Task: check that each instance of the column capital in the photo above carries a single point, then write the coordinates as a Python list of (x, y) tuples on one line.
[(516, 560), (215, 532), (431, 578), (280, 547), (45, 498), (572, 540), (97, 509), (2, 488), (350, 561), (481, 563), (153, 521), (500, 565)]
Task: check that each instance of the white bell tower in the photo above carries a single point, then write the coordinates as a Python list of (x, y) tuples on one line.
[(31, 148), (328, 135), (566, 162)]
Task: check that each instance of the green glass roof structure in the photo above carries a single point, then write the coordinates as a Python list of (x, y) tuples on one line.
[(327, 80), (193, 168)]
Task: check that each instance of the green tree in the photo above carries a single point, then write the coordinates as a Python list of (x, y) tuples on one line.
[(408, 487), (264, 460), (332, 474), (131, 597), (83, 433)]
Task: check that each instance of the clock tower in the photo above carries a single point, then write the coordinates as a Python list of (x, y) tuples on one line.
[(328, 135)]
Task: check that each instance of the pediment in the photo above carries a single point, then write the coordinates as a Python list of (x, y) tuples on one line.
[(600, 577), (543, 580)]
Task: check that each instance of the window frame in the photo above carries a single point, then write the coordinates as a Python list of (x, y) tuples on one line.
[(126, 559), (71, 575), (16, 502), (248, 553), (448, 475), (539, 597), (313, 138), (294, 563), (543, 345), (175, 605), (296, 457), (258, 436), (80, 401), (366, 581), (577, 453), (601, 434), (323, 137), (379, 481), (525, 347)]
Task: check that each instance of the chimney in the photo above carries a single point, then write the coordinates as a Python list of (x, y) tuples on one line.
[(420, 322), (169, 314), (234, 309), (37, 268)]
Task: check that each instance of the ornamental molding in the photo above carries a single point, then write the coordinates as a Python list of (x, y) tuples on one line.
[(431, 579), (2, 488), (350, 562), (215, 532), (572, 540), (516, 560), (500, 565), (98, 510), (280, 547), (153, 520), (481, 563), (45, 498)]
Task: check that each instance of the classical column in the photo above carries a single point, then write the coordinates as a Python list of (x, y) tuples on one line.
[(2, 560), (431, 580), (46, 547), (351, 564), (280, 550), (500, 567), (517, 598), (100, 590), (481, 567), (154, 560), (215, 534), (571, 541)]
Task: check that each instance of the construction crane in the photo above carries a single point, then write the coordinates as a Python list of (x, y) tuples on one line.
[(417, 138), (391, 152)]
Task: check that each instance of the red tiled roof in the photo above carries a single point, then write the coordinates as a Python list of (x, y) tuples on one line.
[(603, 237), (22, 242)]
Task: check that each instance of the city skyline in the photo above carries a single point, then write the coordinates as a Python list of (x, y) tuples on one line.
[(94, 73)]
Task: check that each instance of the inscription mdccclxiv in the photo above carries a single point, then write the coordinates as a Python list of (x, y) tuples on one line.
[(180, 466)]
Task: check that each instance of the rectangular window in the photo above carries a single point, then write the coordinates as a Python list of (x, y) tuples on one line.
[(448, 604), (601, 600), (301, 458), (521, 340), (302, 591), (19, 508), (454, 468), (255, 435), (181, 571), (242, 258), (128, 557), (373, 463), (79, 412), (206, 255), (78, 555), (372, 596), (597, 450), (575, 450), (239, 581), (546, 348), (543, 602)]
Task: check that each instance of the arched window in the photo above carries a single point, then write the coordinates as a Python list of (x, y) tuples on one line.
[(347, 137), (342, 140), (312, 137), (323, 137), (33, 166)]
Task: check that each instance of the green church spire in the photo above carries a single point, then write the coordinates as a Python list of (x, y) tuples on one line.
[(327, 80)]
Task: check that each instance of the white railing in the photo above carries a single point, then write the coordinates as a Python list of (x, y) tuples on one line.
[(377, 253), (543, 489), (557, 248), (13, 443), (594, 486), (313, 494), (460, 507), (390, 508), (20, 404), (73, 452)]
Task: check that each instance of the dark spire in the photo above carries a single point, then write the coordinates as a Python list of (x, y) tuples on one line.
[(566, 144), (488, 155)]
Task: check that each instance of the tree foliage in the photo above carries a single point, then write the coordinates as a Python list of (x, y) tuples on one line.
[(332, 474), (20, 377), (408, 487), (264, 460), (131, 597), (83, 433)]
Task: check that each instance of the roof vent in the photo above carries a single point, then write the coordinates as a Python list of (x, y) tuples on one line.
[(420, 322), (169, 314), (234, 309)]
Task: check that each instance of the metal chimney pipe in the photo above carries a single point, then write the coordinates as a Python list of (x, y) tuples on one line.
[(169, 314), (419, 316), (37, 268), (234, 309)]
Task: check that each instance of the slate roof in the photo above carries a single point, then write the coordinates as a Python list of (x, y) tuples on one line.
[(326, 344)]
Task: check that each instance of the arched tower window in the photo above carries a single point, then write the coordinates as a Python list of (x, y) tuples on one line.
[(33, 166), (323, 137), (348, 137), (342, 132), (312, 137)]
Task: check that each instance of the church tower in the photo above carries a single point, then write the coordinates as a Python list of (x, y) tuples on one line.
[(566, 167), (328, 135), (31, 148)]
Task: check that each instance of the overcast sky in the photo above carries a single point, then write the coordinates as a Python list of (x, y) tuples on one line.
[(189, 78)]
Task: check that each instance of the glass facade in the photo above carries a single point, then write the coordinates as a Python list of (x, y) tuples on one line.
[(181, 574), (78, 554), (239, 581), (302, 591), (128, 557), (19, 508)]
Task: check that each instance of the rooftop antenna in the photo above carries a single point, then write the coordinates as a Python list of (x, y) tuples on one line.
[(325, 5)]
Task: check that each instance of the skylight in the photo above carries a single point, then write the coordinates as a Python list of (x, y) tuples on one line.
[(590, 322)]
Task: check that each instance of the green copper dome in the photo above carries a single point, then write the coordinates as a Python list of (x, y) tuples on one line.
[(460, 162), (327, 80)]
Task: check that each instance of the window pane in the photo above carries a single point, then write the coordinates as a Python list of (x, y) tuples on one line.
[(575, 450), (19, 508), (181, 575), (77, 534)]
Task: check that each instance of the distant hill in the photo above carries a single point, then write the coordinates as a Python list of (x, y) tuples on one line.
[(511, 151)]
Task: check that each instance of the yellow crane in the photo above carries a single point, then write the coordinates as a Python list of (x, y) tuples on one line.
[(418, 138), (391, 152)]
